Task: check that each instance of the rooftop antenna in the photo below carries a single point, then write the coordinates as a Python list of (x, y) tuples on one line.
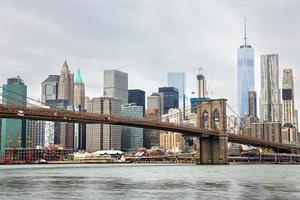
[(245, 31)]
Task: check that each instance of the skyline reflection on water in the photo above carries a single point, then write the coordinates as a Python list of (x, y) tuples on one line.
[(149, 181)]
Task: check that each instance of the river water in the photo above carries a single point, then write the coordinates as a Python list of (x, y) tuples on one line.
[(149, 181)]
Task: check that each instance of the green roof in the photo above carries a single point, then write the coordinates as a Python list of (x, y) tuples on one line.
[(78, 78)]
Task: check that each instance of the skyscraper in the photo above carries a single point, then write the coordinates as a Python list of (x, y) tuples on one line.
[(288, 97), (156, 101), (79, 106), (13, 133), (170, 98), (132, 137), (138, 97), (103, 136), (116, 85), (79, 91), (178, 80), (66, 84), (270, 108), (245, 75)]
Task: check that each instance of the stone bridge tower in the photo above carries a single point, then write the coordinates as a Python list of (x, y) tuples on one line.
[(212, 116)]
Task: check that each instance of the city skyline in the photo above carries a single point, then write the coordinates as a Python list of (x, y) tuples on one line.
[(135, 52)]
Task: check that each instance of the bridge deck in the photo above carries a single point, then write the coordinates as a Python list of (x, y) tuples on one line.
[(46, 114)]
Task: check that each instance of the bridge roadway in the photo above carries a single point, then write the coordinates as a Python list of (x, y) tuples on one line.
[(61, 115)]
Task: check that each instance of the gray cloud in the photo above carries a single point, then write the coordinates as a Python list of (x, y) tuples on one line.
[(144, 38)]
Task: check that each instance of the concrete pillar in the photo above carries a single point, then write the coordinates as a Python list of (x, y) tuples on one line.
[(205, 151)]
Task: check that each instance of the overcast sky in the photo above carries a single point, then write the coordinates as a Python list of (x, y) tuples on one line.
[(146, 39)]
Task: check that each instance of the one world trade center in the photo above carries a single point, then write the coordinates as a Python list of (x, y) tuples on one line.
[(245, 76)]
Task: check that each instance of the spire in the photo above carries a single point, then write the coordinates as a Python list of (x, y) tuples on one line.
[(245, 31), (78, 78), (65, 65)]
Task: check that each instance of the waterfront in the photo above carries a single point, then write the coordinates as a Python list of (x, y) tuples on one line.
[(149, 181)]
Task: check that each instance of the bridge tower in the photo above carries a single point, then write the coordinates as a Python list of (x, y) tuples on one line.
[(212, 116)]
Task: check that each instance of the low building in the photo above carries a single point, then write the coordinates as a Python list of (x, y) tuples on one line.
[(172, 140), (168, 139), (270, 131)]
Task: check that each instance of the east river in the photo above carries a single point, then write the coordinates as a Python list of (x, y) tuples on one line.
[(149, 181)]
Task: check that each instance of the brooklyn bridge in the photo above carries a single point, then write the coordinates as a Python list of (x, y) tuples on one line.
[(211, 132)]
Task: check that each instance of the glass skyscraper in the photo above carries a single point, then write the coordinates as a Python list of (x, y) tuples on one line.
[(137, 96), (170, 98), (245, 76), (178, 80), (13, 133), (132, 138)]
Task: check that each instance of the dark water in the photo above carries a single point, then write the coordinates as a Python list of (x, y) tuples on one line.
[(142, 181)]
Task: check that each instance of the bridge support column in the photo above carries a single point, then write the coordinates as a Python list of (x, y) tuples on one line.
[(213, 150), (212, 116), (205, 151)]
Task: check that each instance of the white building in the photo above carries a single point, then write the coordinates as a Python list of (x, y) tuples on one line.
[(178, 80)]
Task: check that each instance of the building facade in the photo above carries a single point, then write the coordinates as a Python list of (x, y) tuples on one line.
[(116, 85), (171, 140), (103, 136), (151, 137), (137, 96), (289, 134), (252, 103), (132, 138), (156, 101), (288, 103), (170, 98), (270, 106), (178, 80), (50, 88), (13, 131), (232, 124), (58, 128), (270, 131)]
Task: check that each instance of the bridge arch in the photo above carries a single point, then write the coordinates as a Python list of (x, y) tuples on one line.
[(204, 119), (216, 119)]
